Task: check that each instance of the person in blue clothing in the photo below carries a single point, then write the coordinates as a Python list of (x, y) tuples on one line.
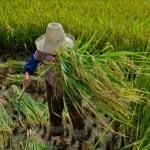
[(47, 44)]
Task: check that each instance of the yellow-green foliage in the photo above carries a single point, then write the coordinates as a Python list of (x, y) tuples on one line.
[(34, 142), (5, 126), (30, 111), (123, 23), (98, 80)]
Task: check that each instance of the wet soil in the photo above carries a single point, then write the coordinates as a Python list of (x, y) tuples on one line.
[(19, 133)]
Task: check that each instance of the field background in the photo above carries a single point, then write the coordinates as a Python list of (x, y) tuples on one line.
[(124, 25)]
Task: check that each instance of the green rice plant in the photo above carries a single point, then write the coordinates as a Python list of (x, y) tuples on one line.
[(141, 138), (34, 142), (126, 28), (137, 136), (30, 111), (5, 127), (102, 135)]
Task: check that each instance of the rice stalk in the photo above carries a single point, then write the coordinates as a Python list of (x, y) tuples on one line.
[(15, 79), (34, 142), (15, 65), (29, 111), (5, 127), (12, 67), (98, 80), (141, 138), (37, 84)]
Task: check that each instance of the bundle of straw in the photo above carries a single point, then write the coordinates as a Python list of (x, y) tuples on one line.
[(15, 65), (34, 142), (16, 79), (30, 111), (98, 80), (37, 83), (5, 127)]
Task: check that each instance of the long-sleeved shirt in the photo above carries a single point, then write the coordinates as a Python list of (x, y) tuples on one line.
[(37, 57), (31, 65)]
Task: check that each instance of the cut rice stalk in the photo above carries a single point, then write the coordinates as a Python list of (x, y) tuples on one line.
[(30, 111), (38, 84), (15, 65), (34, 142)]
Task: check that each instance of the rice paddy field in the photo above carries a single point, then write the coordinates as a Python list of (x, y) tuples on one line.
[(113, 36)]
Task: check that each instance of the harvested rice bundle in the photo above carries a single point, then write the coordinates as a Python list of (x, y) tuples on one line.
[(2, 65), (5, 127), (37, 83), (30, 111), (3, 71), (15, 65), (12, 67), (41, 68), (15, 79), (34, 142), (98, 80)]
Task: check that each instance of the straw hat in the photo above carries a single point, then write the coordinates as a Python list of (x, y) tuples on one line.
[(54, 39)]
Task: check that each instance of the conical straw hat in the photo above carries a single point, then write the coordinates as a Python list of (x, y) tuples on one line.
[(54, 39)]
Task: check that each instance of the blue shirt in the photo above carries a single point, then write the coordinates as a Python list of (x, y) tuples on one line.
[(31, 65)]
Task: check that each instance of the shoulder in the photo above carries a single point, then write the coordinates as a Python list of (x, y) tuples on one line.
[(44, 57)]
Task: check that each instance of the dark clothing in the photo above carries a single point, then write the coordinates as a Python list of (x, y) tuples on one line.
[(56, 107)]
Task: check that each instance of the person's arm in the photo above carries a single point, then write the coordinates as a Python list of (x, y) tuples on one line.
[(31, 65), (29, 69)]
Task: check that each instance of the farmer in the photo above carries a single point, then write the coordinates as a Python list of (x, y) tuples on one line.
[(47, 44)]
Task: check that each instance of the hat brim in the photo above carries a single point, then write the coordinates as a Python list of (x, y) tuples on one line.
[(51, 47)]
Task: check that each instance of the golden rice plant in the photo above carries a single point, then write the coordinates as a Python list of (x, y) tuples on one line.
[(5, 127), (34, 142), (98, 80), (30, 111)]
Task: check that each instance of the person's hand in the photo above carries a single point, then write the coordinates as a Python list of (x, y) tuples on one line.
[(26, 80)]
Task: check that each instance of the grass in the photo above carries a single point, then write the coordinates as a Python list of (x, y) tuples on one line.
[(125, 28)]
